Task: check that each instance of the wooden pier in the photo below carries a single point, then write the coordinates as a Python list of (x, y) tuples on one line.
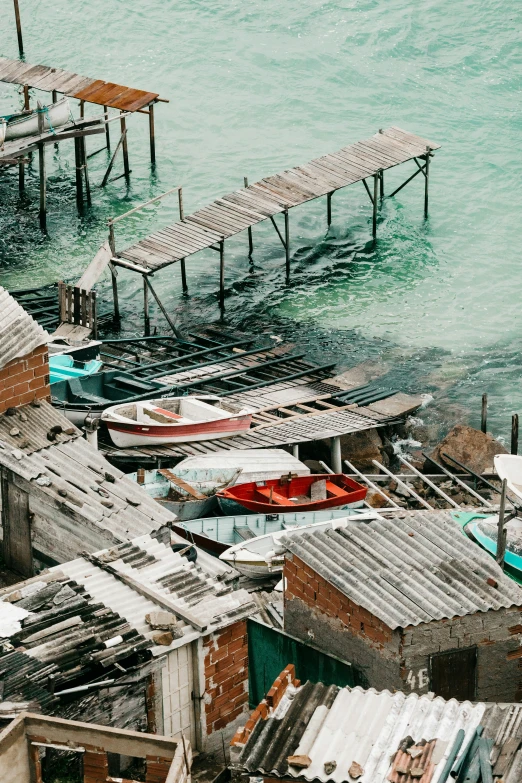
[(264, 200), (126, 100)]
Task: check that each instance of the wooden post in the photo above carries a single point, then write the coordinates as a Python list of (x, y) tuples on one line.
[(484, 415), (146, 307), (78, 163), (222, 274), (83, 145), (54, 96), (375, 197), (26, 97), (514, 433), (21, 177), (501, 532), (335, 450), (151, 134), (426, 181), (184, 285), (250, 238), (329, 208), (107, 131), (114, 273), (82, 109), (125, 148), (295, 450), (111, 162), (18, 28), (382, 184), (287, 245), (43, 192)]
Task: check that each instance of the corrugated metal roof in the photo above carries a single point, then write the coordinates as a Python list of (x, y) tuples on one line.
[(414, 568), (73, 473), (19, 332), (205, 593), (344, 725)]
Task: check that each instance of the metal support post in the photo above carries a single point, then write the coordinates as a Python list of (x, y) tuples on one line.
[(125, 148), (375, 196), (501, 531), (295, 450), (54, 96), (222, 274), (82, 109), (514, 433), (287, 244), (182, 267), (21, 177), (83, 145), (381, 178), (43, 193), (161, 307), (151, 134), (26, 97), (335, 452), (146, 306), (111, 162), (250, 239), (329, 208), (114, 273), (426, 181), (484, 414), (18, 28), (107, 129)]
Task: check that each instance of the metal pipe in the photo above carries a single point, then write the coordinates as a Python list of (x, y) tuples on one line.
[(113, 158), (182, 267), (222, 274), (162, 308), (152, 134), (145, 204), (125, 147), (429, 483), (107, 129), (295, 450), (459, 739), (371, 484), (43, 188), (409, 490), (454, 478), (329, 208), (426, 181), (471, 472), (382, 184), (146, 306), (501, 531), (375, 196), (287, 244), (18, 28), (415, 174), (335, 451)]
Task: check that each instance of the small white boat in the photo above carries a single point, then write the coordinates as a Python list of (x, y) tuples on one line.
[(26, 123), (251, 464), (509, 467), (263, 556), (175, 420), (3, 128)]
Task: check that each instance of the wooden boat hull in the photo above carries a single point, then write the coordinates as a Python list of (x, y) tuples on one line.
[(126, 435), (279, 495), (484, 534), (509, 467), (185, 510), (21, 125), (230, 507)]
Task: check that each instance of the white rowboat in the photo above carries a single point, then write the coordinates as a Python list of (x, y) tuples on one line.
[(509, 467), (174, 420), (26, 123)]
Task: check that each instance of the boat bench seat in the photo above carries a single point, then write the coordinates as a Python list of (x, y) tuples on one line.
[(244, 533), (277, 499), (129, 383), (333, 489), (83, 396)]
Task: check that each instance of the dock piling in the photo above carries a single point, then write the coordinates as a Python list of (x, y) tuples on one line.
[(514, 433), (125, 147), (381, 181), (83, 147), (146, 317), (107, 129), (375, 197), (114, 273), (484, 414), (18, 28), (329, 208), (287, 244), (182, 265), (78, 165), (152, 135), (501, 532), (250, 238), (222, 274), (426, 181), (43, 188), (111, 162)]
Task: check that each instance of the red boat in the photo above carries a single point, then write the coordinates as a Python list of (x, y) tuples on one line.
[(288, 493)]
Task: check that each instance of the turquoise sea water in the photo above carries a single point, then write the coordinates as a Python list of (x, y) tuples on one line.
[(257, 87)]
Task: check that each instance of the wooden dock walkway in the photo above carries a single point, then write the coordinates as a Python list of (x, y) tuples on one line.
[(270, 196)]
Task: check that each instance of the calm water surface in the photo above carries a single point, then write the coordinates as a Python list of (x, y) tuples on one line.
[(257, 87)]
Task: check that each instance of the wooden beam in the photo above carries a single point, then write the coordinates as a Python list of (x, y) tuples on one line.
[(18, 28)]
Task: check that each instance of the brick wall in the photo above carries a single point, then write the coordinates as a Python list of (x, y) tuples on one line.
[(226, 676), (24, 380)]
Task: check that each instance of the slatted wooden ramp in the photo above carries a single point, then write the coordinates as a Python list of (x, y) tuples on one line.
[(262, 200), (84, 88)]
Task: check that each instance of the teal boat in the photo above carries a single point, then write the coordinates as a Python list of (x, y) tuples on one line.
[(484, 532), (63, 366)]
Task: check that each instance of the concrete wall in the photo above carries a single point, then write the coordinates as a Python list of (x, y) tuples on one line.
[(14, 754), (24, 380), (497, 636), (318, 613), (226, 682)]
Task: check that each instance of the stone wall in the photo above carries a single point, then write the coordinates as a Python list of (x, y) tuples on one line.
[(24, 380), (226, 677)]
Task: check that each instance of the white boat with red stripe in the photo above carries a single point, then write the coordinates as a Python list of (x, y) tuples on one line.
[(175, 420)]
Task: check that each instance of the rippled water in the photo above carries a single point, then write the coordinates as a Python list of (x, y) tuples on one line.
[(257, 87)]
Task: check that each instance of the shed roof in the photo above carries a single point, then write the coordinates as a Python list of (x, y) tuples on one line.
[(64, 469), (414, 568), (19, 332), (202, 590), (345, 725)]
